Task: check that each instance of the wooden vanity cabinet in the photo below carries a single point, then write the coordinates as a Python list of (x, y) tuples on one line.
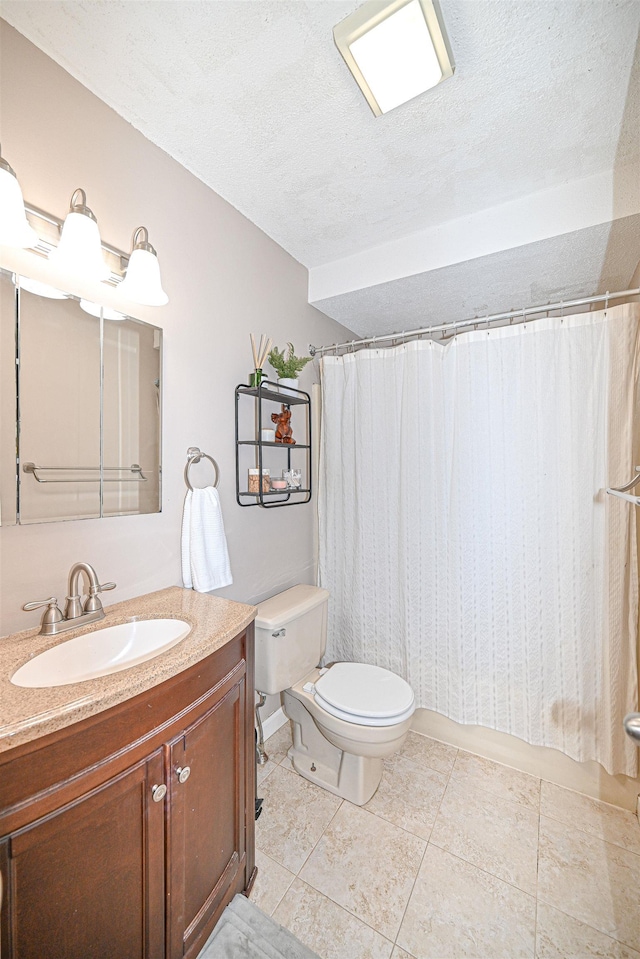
[(76, 878), (205, 834), (93, 866)]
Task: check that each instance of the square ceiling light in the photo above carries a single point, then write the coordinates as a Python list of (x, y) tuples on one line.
[(395, 50)]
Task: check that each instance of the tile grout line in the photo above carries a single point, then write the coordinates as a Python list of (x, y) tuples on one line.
[(418, 765), (602, 802), (344, 908), (339, 904), (413, 886), (390, 822), (321, 837), (607, 935), (497, 795), (477, 785), (470, 752), (591, 835), (493, 795), (276, 863), (511, 802), (448, 852), (535, 922), (291, 771)]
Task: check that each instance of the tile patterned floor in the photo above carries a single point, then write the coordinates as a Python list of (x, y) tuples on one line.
[(455, 856)]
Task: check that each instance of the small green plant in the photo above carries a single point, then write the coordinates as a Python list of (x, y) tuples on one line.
[(288, 365)]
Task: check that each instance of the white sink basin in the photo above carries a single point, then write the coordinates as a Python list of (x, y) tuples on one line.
[(101, 652)]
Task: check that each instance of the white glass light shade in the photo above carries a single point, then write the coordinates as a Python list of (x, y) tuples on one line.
[(108, 313), (14, 226), (142, 282), (80, 250), (41, 289)]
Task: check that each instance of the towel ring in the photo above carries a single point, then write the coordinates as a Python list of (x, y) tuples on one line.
[(194, 455)]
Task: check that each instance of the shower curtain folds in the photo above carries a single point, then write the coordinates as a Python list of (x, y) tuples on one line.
[(465, 534)]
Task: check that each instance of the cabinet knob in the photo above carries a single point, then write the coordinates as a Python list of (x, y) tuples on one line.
[(183, 774), (158, 792)]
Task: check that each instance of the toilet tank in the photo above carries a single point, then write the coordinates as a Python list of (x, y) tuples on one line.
[(291, 636)]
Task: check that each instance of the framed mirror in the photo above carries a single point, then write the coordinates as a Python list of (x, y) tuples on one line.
[(87, 409), (8, 400)]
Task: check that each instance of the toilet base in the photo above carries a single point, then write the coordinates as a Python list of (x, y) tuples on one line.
[(344, 774)]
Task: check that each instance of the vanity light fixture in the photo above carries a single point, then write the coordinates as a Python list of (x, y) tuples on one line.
[(80, 249), (142, 282), (74, 247), (395, 50), (15, 229)]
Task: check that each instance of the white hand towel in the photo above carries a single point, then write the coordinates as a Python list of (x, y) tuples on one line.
[(205, 558)]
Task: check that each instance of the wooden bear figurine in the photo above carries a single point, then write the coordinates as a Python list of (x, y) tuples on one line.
[(284, 433)]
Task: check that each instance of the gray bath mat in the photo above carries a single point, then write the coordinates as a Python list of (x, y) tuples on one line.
[(245, 932)]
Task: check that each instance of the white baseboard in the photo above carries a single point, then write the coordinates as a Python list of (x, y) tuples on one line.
[(273, 723)]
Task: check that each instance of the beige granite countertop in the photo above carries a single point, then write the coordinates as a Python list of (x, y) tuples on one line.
[(26, 714)]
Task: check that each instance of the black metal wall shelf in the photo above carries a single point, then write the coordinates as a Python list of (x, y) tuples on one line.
[(275, 395), (269, 393), (278, 446)]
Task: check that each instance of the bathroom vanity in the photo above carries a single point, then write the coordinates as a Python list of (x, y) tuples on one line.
[(127, 802)]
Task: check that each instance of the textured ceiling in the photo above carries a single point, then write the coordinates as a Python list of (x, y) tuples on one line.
[(585, 262), (254, 99)]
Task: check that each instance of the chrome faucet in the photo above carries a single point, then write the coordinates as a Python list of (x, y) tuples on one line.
[(76, 613)]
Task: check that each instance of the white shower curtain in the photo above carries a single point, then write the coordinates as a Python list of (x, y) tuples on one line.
[(465, 535)]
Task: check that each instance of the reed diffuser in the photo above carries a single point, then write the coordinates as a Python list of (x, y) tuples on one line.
[(259, 356)]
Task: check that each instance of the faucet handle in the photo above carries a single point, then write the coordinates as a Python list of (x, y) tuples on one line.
[(52, 615), (93, 602)]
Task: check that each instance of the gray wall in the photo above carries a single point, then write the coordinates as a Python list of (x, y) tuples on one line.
[(224, 278)]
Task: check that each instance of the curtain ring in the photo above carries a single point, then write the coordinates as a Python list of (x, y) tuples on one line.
[(606, 302)]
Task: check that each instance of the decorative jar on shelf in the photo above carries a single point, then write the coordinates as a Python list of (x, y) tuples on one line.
[(254, 481)]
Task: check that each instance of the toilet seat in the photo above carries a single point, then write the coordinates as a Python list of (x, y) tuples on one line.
[(364, 694)]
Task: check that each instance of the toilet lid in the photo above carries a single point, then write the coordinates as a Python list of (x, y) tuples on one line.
[(364, 692)]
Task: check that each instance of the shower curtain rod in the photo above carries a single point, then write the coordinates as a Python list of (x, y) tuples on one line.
[(476, 321)]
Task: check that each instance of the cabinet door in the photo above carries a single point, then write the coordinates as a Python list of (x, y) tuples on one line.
[(206, 837), (90, 873)]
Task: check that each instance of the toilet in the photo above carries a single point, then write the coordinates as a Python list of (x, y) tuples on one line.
[(347, 717)]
